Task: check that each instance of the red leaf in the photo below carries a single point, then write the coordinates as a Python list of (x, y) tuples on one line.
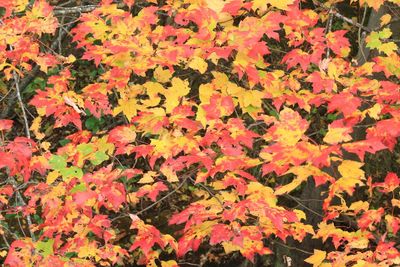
[(152, 191), (390, 184), (6, 124)]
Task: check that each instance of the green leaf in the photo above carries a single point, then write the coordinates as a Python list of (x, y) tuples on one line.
[(45, 247), (85, 149), (70, 255), (71, 172), (100, 156), (57, 162), (93, 124), (78, 188), (63, 142)]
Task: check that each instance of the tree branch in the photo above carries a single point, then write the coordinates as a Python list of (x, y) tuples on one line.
[(342, 17), (73, 10), (164, 197)]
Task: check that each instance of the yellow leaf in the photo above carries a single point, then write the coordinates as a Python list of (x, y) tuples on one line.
[(385, 19), (147, 178), (217, 6), (359, 205), (198, 64), (388, 48), (289, 129), (20, 5), (45, 145), (351, 169), (205, 93), (127, 107), (201, 116), (395, 203), (170, 263), (3, 253), (152, 90), (317, 258), (281, 4), (162, 75), (169, 173), (373, 112), (88, 250), (288, 187), (174, 93), (52, 176), (230, 247), (300, 214), (132, 198), (337, 135), (256, 191), (35, 128)]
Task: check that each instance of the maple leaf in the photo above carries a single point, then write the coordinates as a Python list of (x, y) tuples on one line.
[(371, 145), (6, 125), (148, 236), (162, 75), (338, 132), (389, 65), (297, 57), (219, 233), (122, 135), (199, 64), (151, 191), (339, 44), (275, 3), (175, 92), (129, 3), (393, 223), (344, 102), (317, 258), (369, 218), (321, 82), (374, 40), (390, 184), (289, 129), (375, 4), (127, 107), (352, 175), (40, 18)]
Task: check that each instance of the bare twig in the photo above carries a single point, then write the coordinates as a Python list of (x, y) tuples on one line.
[(328, 29), (208, 190), (361, 40), (342, 17), (164, 197), (28, 217), (5, 241), (21, 103), (73, 10), (32, 74), (292, 248)]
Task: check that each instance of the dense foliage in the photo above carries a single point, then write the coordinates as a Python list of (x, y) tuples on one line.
[(177, 132)]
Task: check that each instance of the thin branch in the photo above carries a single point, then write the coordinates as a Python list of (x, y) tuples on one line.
[(73, 10), (21, 200), (292, 248), (361, 40), (33, 73), (328, 29), (208, 190), (342, 17), (304, 206), (6, 241), (164, 197), (21, 103)]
